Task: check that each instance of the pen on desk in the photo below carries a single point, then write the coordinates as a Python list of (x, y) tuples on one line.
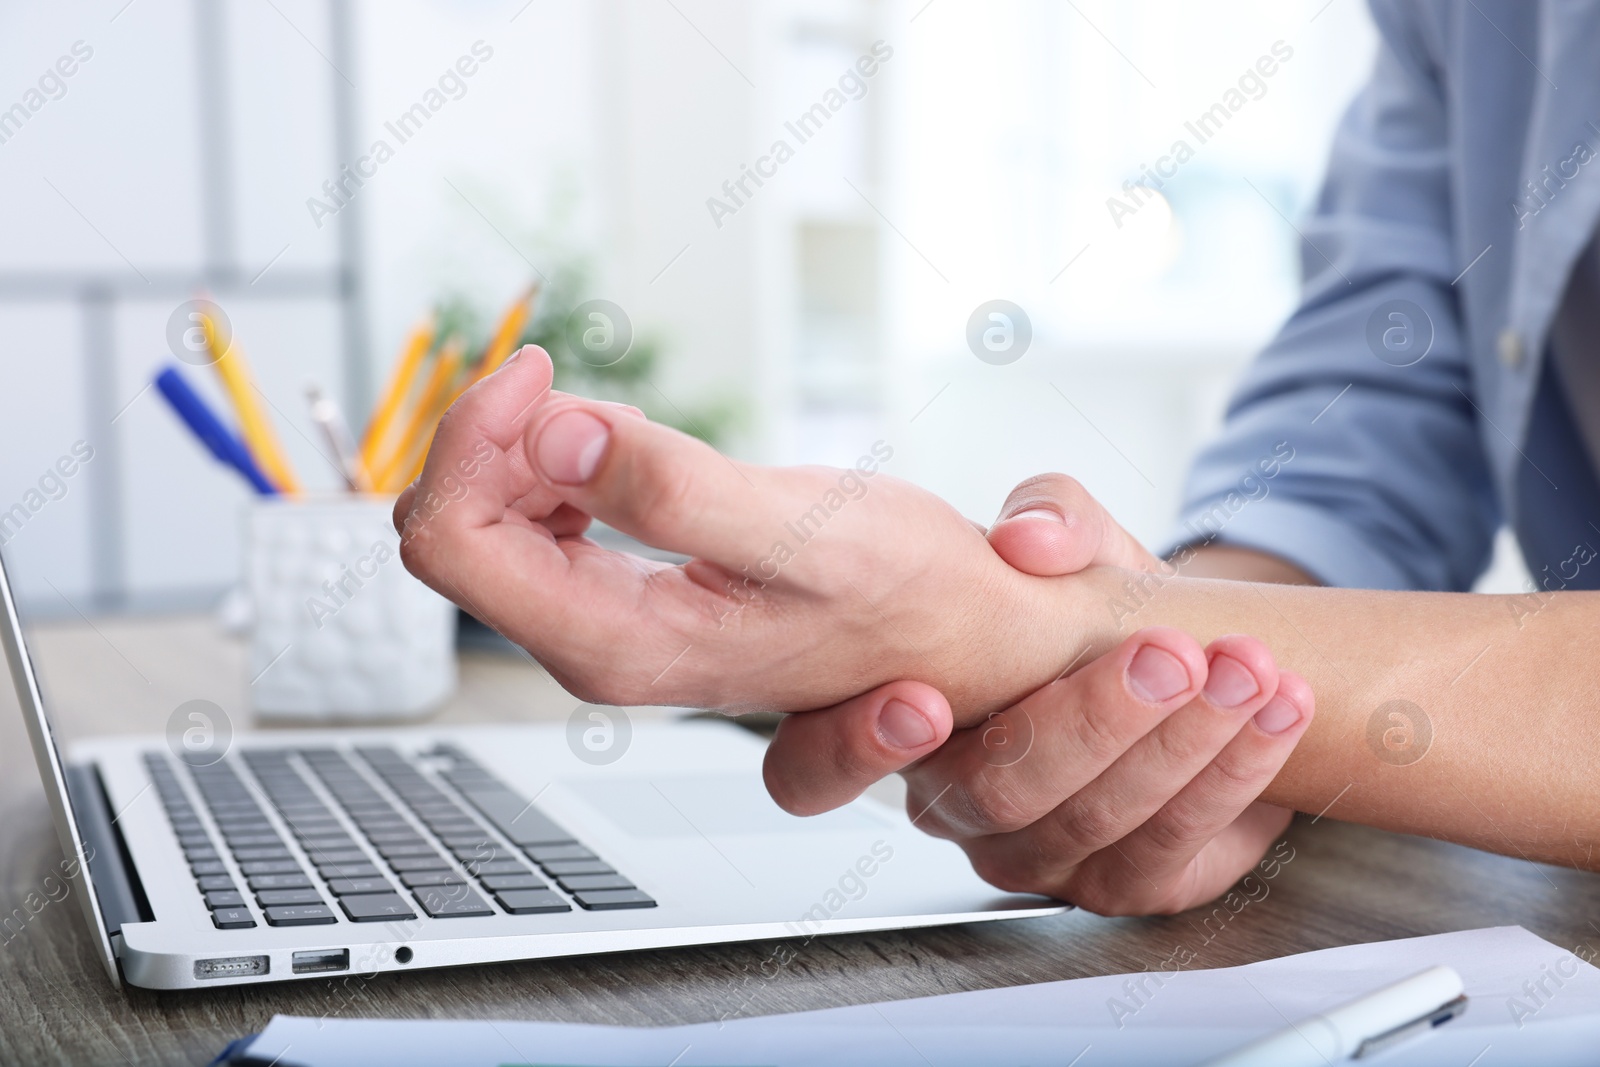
[(1358, 1028), (209, 429), (325, 413)]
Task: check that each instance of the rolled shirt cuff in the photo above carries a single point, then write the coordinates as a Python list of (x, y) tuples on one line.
[(1312, 538)]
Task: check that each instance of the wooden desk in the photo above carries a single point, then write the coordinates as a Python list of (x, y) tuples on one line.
[(1345, 884)]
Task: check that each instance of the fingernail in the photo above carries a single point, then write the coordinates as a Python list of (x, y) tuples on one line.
[(1156, 675), (512, 358), (903, 726), (1039, 514), (1277, 717), (570, 447), (1229, 683)]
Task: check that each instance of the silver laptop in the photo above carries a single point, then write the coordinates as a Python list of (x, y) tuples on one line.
[(314, 853)]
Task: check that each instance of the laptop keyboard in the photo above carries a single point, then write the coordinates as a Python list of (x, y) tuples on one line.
[(394, 845)]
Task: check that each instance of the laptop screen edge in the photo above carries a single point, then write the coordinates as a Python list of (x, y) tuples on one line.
[(51, 770)]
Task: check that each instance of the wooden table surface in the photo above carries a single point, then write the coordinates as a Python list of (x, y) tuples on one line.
[(1345, 884)]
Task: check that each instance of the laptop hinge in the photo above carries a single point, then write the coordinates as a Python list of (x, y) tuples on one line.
[(116, 882)]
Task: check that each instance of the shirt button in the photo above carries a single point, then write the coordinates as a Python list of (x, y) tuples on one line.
[(1510, 349)]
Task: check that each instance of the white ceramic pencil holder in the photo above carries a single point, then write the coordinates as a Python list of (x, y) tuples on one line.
[(342, 630)]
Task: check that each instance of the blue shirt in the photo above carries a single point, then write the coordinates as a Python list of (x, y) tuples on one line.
[(1409, 405)]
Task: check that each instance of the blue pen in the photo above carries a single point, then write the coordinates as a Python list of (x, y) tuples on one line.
[(221, 442)]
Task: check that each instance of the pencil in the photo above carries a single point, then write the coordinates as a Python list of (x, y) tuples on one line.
[(254, 426), (396, 391), (418, 432), (505, 336)]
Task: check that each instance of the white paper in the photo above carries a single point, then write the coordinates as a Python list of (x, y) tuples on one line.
[(1531, 1002)]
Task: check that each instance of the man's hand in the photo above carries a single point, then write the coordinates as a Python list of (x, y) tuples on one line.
[(1127, 787), (810, 585)]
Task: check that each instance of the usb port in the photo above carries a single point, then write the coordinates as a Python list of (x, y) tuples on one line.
[(231, 967), (328, 959)]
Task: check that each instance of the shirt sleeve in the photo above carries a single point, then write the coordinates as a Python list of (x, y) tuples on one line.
[(1351, 447)]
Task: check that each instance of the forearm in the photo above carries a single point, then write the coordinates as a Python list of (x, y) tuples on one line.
[(1243, 565), (1497, 744)]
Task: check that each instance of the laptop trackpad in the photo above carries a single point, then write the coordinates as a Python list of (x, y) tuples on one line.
[(703, 805)]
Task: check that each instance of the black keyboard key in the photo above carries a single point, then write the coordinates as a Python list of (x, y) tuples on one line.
[(300, 915), (250, 855), (433, 862), (563, 868), (474, 840), (252, 840), (406, 836), (270, 867), (416, 848), (202, 868), (483, 851), (233, 918), (200, 853), (349, 870), (555, 853), (496, 883), (214, 881), (613, 899), (583, 883), (375, 907), (451, 901), (194, 840), (343, 887), (414, 879), (521, 822), (224, 898), (271, 898), (329, 842), (531, 901), (259, 882), (337, 856), (496, 867)]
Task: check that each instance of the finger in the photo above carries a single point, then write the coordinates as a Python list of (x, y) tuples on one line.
[(1009, 771), (1051, 525), (663, 487), (819, 760), (1241, 680), (476, 445), (1225, 788)]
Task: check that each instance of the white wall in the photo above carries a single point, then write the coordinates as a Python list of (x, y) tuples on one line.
[(986, 147)]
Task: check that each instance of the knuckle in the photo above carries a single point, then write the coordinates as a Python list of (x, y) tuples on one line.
[(1091, 824), (659, 495), (1239, 777), (991, 808), (1095, 729), (1016, 867), (1178, 828)]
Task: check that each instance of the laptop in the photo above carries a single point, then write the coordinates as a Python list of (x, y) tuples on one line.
[(313, 853)]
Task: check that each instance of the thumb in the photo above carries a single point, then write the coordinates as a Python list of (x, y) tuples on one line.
[(820, 760), (1051, 525)]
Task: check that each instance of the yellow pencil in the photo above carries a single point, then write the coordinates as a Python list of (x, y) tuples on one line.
[(396, 391), (254, 425), (505, 336), (418, 432)]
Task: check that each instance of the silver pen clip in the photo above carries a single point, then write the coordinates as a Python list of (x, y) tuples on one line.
[(1406, 1031)]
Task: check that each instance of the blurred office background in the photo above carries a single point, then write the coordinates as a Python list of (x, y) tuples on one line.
[(828, 310)]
